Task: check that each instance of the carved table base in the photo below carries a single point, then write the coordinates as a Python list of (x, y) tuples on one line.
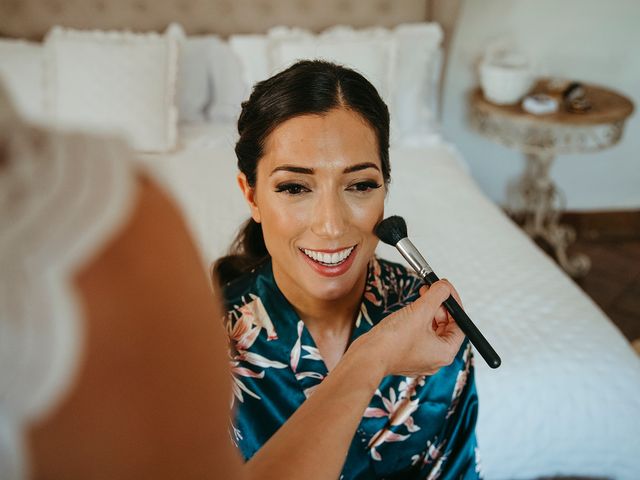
[(535, 199)]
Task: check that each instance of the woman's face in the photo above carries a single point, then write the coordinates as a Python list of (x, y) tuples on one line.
[(319, 193)]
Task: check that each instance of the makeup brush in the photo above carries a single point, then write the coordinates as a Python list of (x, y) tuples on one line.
[(393, 231)]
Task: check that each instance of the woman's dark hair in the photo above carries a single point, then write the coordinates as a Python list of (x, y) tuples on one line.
[(307, 87)]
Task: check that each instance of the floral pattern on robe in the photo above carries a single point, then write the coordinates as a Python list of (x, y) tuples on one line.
[(414, 427)]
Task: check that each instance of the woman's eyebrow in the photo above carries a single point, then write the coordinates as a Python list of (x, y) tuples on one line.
[(310, 171), (360, 166), (292, 168)]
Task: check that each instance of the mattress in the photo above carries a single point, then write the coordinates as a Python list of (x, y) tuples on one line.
[(566, 400)]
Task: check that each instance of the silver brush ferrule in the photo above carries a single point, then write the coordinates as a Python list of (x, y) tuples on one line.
[(412, 255)]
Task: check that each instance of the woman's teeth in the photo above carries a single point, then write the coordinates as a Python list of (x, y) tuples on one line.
[(329, 259)]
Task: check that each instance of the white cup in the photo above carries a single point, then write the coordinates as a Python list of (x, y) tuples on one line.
[(506, 78)]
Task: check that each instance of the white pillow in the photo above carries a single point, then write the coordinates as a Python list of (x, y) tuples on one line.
[(195, 85), (22, 73), (403, 64), (414, 58), (236, 66), (116, 81), (252, 52), (416, 78), (229, 86), (370, 52)]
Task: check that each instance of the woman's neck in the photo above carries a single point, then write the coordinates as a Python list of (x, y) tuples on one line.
[(323, 316)]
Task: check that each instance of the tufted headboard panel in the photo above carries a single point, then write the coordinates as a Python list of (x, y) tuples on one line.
[(33, 18)]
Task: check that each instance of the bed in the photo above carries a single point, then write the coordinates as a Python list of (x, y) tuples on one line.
[(566, 400)]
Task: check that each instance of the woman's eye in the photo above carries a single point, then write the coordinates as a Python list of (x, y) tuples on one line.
[(364, 186), (291, 188)]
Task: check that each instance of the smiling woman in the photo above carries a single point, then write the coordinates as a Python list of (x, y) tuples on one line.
[(318, 215), (306, 296)]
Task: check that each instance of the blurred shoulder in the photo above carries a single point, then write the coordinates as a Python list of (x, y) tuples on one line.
[(150, 276), (151, 325)]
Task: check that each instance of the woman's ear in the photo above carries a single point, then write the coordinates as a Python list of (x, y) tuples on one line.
[(249, 195)]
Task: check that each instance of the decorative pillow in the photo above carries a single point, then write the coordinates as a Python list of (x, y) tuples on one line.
[(402, 63), (195, 85), (413, 61), (116, 81), (252, 52), (370, 52), (238, 65), (235, 66), (229, 86), (22, 73), (416, 79)]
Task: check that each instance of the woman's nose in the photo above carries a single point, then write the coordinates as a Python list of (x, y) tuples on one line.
[(329, 217)]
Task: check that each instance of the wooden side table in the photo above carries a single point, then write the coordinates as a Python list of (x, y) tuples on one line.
[(534, 198)]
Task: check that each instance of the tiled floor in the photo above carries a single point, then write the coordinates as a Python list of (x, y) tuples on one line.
[(614, 280)]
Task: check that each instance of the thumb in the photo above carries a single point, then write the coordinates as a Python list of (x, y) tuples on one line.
[(429, 304)]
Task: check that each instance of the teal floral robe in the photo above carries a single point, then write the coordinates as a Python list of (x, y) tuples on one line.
[(414, 428)]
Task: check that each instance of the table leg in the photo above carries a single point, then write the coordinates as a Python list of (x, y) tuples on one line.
[(538, 199)]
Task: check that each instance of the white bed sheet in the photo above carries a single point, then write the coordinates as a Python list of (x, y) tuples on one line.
[(566, 399)]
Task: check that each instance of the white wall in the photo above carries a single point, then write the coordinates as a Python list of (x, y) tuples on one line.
[(590, 40)]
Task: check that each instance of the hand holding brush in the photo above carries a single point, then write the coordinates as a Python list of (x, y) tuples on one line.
[(393, 231)]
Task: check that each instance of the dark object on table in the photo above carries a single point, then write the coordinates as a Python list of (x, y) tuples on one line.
[(574, 91), (575, 98), (579, 105)]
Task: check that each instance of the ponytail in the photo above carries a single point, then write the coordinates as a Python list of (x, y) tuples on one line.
[(247, 251)]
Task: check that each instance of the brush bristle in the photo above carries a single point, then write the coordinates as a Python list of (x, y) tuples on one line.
[(391, 230)]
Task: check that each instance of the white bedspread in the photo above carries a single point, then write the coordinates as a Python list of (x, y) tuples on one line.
[(566, 399)]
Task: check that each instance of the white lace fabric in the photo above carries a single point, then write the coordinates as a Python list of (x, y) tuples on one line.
[(63, 197)]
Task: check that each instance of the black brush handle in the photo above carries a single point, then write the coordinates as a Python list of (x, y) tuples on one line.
[(468, 327)]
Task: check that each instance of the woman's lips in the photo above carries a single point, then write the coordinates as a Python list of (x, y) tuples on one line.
[(330, 263)]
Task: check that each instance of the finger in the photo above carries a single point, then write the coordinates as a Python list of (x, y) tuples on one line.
[(425, 288), (448, 327), (441, 316), (456, 336), (442, 329), (453, 333), (437, 324), (443, 325), (432, 300), (454, 292)]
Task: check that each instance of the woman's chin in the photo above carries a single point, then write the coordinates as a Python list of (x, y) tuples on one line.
[(337, 287), (330, 293)]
